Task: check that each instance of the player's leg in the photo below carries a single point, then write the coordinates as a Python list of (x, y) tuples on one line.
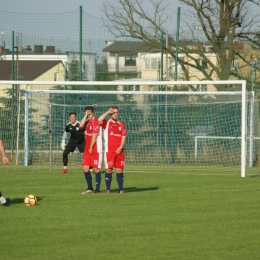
[(3, 200), (81, 148), (108, 179), (65, 162), (70, 147), (97, 163), (86, 162), (109, 165), (120, 164)]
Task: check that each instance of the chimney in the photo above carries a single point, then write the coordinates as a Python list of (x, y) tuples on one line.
[(198, 47), (238, 46), (38, 48), (50, 49)]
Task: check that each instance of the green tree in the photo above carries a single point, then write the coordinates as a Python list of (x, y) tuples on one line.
[(72, 71), (102, 71)]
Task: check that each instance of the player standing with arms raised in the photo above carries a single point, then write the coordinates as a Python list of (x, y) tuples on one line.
[(77, 139), (3, 200), (115, 138), (92, 156)]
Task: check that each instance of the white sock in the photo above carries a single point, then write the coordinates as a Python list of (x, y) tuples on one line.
[(64, 167), (2, 199)]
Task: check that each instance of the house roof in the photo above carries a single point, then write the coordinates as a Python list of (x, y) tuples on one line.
[(129, 47), (28, 69), (139, 47)]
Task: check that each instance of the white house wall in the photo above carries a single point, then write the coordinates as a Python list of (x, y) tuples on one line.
[(88, 61)]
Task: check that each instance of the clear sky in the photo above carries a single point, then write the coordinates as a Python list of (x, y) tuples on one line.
[(52, 29), (91, 7)]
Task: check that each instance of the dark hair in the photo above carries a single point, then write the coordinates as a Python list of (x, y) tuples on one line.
[(114, 107), (91, 108), (72, 113)]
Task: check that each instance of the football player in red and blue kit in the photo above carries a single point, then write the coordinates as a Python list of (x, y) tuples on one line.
[(115, 138), (92, 156)]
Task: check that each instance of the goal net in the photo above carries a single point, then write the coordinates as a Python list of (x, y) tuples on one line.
[(168, 123)]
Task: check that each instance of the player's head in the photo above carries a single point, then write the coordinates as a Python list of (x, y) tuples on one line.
[(72, 117), (89, 110), (72, 113), (114, 116)]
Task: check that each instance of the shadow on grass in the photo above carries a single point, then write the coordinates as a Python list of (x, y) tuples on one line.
[(135, 189), (255, 175), (21, 200)]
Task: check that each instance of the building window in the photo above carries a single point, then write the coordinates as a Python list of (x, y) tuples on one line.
[(56, 76), (203, 65), (132, 88), (200, 87), (234, 65), (130, 60), (151, 64), (172, 67)]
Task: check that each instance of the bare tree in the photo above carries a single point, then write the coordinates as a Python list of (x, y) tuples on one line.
[(223, 22)]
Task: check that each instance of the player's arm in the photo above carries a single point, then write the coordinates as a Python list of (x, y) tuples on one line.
[(93, 140), (123, 139), (64, 136), (102, 117), (2, 150), (63, 141), (96, 128), (81, 129), (84, 119), (119, 149)]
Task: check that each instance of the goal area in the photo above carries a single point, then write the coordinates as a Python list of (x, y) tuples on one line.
[(168, 123)]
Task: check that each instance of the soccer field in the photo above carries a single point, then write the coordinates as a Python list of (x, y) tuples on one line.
[(166, 213)]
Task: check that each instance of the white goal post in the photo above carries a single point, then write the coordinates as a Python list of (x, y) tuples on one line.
[(242, 94)]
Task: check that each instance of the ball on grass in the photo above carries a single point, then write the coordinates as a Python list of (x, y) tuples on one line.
[(30, 200)]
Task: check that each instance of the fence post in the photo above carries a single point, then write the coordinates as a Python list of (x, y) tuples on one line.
[(80, 43), (12, 133)]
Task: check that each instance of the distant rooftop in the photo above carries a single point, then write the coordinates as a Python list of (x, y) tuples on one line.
[(129, 47), (28, 69)]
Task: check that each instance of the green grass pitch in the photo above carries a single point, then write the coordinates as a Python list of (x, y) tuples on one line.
[(166, 213)]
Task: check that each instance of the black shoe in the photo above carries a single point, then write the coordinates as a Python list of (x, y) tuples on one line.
[(7, 202), (97, 191)]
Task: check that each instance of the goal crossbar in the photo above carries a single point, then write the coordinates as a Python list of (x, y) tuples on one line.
[(124, 83), (163, 93)]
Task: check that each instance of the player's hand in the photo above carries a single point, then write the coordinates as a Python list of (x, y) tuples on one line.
[(5, 160), (63, 144), (110, 111), (87, 113), (90, 150), (118, 150)]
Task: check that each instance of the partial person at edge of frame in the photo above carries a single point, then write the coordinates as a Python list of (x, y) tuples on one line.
[(3, 200)]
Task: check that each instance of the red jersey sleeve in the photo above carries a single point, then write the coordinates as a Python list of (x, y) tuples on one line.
[(96, 126), (124, 133), (104, 124)]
